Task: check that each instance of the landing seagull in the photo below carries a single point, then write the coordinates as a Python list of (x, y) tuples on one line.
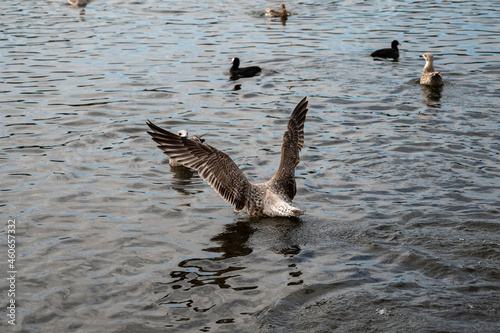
[(273, 198)]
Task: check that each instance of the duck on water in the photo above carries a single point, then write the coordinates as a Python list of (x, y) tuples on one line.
[(272, 198), (275, 13), (235, 70), (392, 52)]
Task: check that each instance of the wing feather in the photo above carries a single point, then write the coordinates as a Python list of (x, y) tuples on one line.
[(213, 165), (293, 142)]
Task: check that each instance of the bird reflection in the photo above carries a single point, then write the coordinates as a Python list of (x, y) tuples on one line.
[(432, 95), (233, 240), (182, 178), (221, 270), (81, 15), (196, 272), (283, 20), (181, 172)]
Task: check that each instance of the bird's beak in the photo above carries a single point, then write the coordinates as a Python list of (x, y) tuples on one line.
[(232, 60)]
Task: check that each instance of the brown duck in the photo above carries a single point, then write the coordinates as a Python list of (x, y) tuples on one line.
[(282, 13)]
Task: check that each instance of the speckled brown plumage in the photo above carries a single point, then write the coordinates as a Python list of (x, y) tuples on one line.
[(429, 76), (174, 162), (281, 13), (273, 198)]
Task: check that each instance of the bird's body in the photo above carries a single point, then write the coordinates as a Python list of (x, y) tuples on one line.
[(429, 76), (391, 53), (272, 198), (281, 13), (244, 71)]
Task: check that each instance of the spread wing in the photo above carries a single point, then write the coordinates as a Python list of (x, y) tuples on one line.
[(213, 165), (293, 141)]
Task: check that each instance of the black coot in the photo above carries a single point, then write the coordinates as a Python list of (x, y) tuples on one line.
[(393, 52), (243, 72)]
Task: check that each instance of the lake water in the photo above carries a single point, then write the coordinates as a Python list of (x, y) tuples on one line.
[(401, 183)]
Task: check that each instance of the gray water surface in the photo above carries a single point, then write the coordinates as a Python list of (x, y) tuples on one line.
[(401, 183)]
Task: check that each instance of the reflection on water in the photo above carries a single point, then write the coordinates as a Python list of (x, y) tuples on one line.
[(210, 271), (198, 272), (180, 172), (282, 19), (233, 240), (432, 95), (226, 269)]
